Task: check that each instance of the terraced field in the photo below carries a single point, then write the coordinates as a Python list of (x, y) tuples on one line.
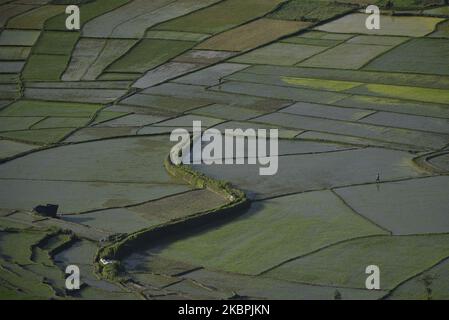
[(85, 123)]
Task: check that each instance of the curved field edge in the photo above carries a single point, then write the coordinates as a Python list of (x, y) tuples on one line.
[(237, 204)]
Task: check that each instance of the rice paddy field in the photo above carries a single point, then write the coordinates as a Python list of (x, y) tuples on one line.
[(363, 152)]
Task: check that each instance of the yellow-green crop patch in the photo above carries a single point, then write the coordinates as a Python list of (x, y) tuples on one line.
[(321, 84), (404, 92)]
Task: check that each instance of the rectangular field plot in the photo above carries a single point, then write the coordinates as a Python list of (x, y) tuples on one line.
[(29, 108), (435, 279), (105, 162), (45, 67), (167, 10), (40, 136), (280, 92), (36, 18), (48, 60), (10, 10), (83, 56), (317, 171), (200, 92), (325, 111), (133, 18), (9, 91), (263, 287), (227, 112), (14, 53), (164, 103), (211, 75), (18, 37), (96, 133), (387, 134), (407, 79), (283, 133), (221, 16), (391, 25), (132, 120), (76, 95), (56, 43), (148, 54), (246, 245), (345, 56), (176, 35), (404, 92), (11, 148), (398, 257), (60, 122), (378, 40), (112, 50), (423, 55), (311, 41), (251, 35), (187, 120), (23, 194), (423, 204), (395, 105), (409, 122), (132, 219), (17, 123), (279, 54), (310, 10), (164, 72)]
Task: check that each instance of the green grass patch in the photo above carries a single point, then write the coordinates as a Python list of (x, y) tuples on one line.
[(271, 232), (55, 42), (59, 122), (148, 54), (310, 10), (220, 17), (321, 84), (14, 53), (50, 56), (431, 285), (16, 246), (423, 55), (45, 67), (36, 18), (31, 108), (17, 123), (398, 257), (405, 92), (40, 136)]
